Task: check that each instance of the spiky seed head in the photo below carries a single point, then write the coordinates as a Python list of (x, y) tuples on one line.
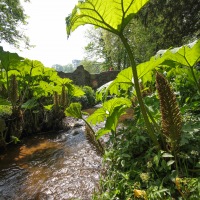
[(171, 122)]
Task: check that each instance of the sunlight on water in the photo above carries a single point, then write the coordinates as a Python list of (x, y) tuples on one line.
[(57, 166), (27, 151)]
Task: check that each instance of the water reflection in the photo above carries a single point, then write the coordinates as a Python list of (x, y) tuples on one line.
[(55, 166)]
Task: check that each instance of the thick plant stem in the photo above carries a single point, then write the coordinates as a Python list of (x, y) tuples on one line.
[(99, 143), (195, 80), (138, 92)]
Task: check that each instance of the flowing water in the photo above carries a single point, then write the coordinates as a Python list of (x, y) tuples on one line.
[(52, 166)]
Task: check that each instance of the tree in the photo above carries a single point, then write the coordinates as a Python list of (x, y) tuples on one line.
[(92, 66), (76, 63), (12, 18), (159, 25), (68, 68), (98, 50), (115, 50), (95, 47), (57, 67), (107, 48), (171, 23)]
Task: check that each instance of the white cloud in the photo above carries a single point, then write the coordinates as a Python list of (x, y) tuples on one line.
[(47, 31)]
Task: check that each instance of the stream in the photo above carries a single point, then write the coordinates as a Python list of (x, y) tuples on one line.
[(51, 166)]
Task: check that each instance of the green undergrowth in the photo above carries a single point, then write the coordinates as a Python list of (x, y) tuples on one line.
[(5, 110), (135, 169), (5, 107)]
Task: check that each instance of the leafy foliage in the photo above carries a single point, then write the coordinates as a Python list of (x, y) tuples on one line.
[(91, 12), (180, 21), (180, 25), (88, 99), (134, 169), (107, 109), (30, 87), (12, 17), (74, 110), (114, 19), (110, 112), (188, 55), (110, 15)]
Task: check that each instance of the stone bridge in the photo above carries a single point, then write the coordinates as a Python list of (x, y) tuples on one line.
[(82, 77)]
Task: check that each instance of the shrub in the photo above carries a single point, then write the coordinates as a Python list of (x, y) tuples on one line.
[(88, 100)]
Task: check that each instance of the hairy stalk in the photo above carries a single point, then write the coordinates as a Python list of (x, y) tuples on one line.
[(56, 101), (13, 91), (171, 123), (28, 84), (193, 74), (195, 79), (7, 83), (156, 126), (63, 97), (138, 91), (91, 137)]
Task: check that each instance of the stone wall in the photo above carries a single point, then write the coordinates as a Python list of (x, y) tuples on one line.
[(82, 77)]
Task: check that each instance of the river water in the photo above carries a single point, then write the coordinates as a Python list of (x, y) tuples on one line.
[(51, 166)]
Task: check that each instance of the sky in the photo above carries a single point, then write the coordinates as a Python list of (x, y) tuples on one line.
[(47, 32)]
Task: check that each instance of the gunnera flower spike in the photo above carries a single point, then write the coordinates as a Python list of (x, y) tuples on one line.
[(171, 122)]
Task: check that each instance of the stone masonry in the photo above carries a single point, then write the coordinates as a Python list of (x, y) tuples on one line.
[(82, 77)]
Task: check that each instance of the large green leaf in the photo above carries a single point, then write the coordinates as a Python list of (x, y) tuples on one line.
[(74, 110), (109, 109), (43, 89), (187, 55), (9, 60), (37, 68), (109, 112), (78, 92), (61, 81), (74, 91), (13, 72), (5, 102), (124, 81), (30, 104), (112, 15), (51, 73)]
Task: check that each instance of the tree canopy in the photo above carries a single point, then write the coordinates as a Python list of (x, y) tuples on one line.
[(158, 25), (172, 23), (12, 19)]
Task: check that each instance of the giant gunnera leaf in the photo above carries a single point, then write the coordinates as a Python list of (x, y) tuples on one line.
[(110, 112), (187, 55), (112, 15)]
